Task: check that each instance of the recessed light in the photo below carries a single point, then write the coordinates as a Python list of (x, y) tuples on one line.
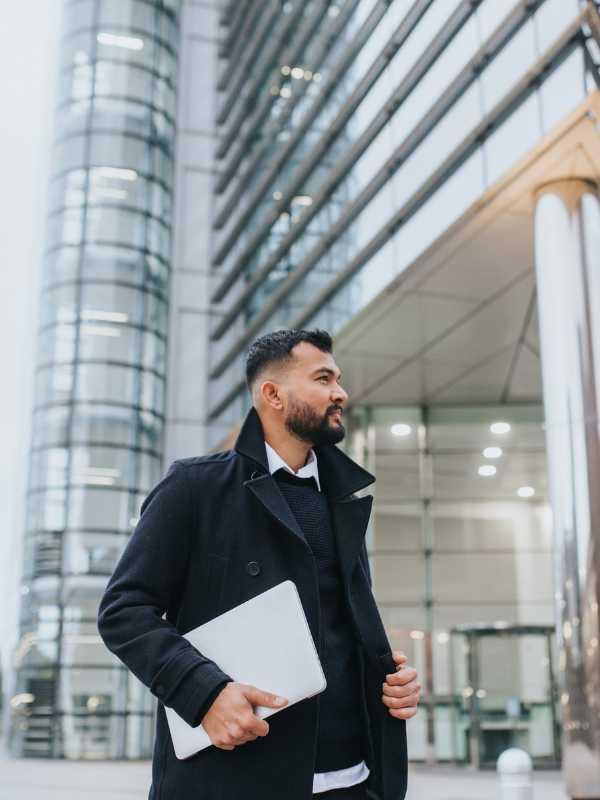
[(486, 470), (492, 452), (525, 491), (500, 427), (401, 429)]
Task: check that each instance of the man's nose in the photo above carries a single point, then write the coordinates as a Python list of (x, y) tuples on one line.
[(339, 394)]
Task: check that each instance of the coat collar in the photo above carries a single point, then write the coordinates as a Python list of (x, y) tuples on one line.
[(339, 474)]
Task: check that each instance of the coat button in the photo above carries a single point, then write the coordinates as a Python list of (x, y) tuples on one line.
[(160, 689), (253, 568)]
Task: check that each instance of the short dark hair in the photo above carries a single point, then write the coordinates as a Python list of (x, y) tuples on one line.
[(276, 347)]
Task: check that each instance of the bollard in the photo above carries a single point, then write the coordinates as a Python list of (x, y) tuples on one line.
[(514, 768)]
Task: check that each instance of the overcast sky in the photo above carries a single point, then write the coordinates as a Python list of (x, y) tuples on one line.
[(28, 34)]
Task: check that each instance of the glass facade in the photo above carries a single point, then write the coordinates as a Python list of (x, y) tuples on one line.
[(354, 171), (462, 573), (100, 373)]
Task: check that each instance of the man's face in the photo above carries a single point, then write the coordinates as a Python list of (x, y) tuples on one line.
[(313, 396)]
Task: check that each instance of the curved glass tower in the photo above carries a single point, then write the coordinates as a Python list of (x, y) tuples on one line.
[(100, 373)]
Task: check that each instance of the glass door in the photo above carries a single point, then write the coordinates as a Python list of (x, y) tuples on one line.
[(505, 693)]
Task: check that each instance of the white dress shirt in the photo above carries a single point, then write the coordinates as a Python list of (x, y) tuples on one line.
[(349, 776)]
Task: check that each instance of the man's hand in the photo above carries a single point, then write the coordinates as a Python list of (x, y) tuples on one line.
[(231, 721), (400, 690)]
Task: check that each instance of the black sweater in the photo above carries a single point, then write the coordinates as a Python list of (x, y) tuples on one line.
[(339, 733)]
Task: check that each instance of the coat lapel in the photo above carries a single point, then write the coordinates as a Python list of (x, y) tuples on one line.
[(265, 489), (350, 518), (340, 477)]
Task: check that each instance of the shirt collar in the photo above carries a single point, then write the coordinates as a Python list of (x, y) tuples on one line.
[(309, 470)]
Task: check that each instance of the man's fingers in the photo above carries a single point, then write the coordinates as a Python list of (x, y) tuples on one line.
[(255, 726), (401, 691), (402, 676), (402, 713), (260, 698), (400, 702)]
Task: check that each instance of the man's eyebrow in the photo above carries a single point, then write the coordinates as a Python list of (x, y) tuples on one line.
[(327, 369)]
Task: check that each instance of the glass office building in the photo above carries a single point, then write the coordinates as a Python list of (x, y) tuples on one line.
[(419, 177), (100, 374)]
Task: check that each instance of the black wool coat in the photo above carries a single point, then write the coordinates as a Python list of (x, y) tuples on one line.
[(214, 532)]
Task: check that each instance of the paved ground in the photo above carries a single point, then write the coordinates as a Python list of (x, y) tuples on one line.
[(62, 780)]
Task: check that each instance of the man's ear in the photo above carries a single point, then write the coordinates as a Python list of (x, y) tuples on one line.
[(270, 395)]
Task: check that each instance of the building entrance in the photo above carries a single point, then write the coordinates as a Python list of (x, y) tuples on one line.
[(505, 693)]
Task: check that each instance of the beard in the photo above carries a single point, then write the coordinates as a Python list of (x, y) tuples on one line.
[(306, 424)]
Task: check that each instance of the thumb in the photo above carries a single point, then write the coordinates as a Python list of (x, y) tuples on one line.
[(259, 698)]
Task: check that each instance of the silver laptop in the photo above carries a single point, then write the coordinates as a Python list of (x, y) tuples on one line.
[(265, 642)]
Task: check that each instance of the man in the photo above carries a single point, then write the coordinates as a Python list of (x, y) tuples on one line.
[(220, 529)]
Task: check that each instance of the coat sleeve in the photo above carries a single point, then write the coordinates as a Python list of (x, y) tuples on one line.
[(145, 583)]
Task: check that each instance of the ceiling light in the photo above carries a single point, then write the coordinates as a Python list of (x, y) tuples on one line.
[(119, 173), (277, 195), (297, 73), (401, 429), (285, 70), (417, 635), (307, 75), (99, 476), (487, 469), (302, 200), (114, 40), (285, 91), (317, 77), (500, 427), (22, 697), (525, 491), (492, 452)]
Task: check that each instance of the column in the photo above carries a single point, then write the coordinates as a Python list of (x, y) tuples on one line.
[(567, 264)]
